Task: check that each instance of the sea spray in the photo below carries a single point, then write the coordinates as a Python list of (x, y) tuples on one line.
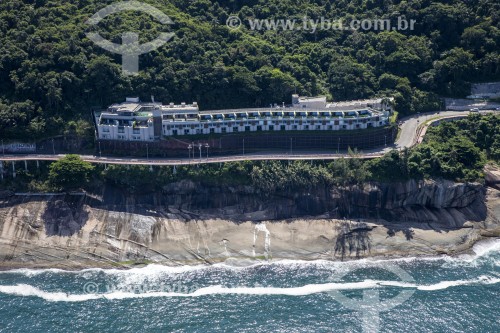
[(239, 294)]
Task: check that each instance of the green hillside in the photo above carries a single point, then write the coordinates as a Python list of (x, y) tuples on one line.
[(51, 73)]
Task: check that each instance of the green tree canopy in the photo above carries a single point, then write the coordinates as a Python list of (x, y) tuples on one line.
[(70, 172)]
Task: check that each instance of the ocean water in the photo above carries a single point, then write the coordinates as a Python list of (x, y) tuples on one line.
[(440, 294)]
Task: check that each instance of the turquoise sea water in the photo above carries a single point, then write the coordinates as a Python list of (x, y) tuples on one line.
[(443, 294)]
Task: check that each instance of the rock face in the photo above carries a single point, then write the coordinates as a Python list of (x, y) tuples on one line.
[(189, 223), (444, 194), (418, 201), (444, 202), (492, 176)]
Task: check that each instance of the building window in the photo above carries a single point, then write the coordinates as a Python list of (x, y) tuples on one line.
[(186, 132), (136, 131), (294, 127), (235, 129), (121, 129), (247, 128), (212, 130), (283, 127), (271, 127), (259, 128), (318, 127), (105, 129), (306, 127), (223, 130), (174, 132)]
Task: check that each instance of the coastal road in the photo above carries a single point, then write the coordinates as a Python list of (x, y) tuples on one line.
[(411, 133)]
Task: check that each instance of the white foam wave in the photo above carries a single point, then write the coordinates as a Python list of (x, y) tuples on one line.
[(25, 290), (481, 249), (152, 269), (486, 247)]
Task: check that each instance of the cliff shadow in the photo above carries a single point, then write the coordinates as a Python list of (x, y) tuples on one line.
[(352, 238), (407, 232), (64, 217)]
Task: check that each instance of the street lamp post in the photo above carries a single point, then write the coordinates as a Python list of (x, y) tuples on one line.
[(199, 147), (189, 151), (100, 152), (207, 146), (338, 146), (291, 146), (53, 147), (243, 146), (385, 140), (147, 151)]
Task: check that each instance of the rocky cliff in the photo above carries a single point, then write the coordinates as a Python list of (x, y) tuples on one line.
[(191, 223), (447, 203)]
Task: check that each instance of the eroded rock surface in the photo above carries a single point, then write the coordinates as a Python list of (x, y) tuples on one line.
[(188, 224)]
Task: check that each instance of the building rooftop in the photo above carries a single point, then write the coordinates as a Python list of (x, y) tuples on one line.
[(356, 104), (320, 99), (316, 107), (124, 107)]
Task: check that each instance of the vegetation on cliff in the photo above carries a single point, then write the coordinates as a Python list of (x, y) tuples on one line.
[(70, 172), (455, 151)]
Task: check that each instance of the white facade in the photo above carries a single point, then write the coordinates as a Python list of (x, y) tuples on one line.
[(127, 133), (286, 119), (135, 121), (129, 121)]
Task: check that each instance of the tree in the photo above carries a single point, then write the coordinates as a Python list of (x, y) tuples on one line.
[(350, 80), (70, 172), (45, 58), (389, 168), (276, 85), (453, 72)]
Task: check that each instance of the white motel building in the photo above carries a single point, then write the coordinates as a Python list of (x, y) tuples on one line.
[(133, 120)]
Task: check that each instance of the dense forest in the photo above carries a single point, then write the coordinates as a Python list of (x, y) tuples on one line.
[(51, 74)]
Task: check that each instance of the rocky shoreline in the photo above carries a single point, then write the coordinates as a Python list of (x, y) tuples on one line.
[(191, 225)]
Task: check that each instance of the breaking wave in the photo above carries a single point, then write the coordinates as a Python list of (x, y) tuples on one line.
[(25, 290)]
